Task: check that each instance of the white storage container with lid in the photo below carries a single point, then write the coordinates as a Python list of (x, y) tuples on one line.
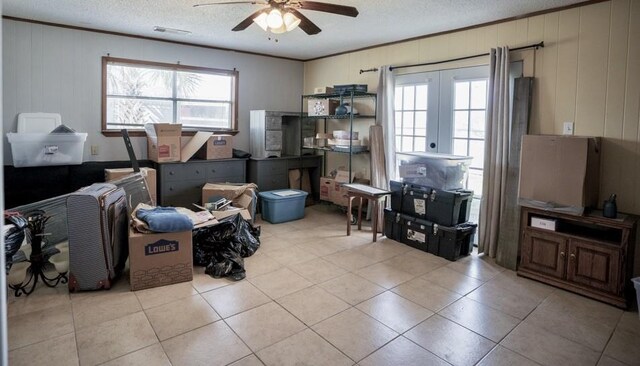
[(439, 171)]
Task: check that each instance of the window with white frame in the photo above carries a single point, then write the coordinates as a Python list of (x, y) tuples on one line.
[(411, 107), (137, 92)]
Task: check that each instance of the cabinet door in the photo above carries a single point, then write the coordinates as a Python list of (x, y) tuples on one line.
[(544, 253), (594, 265)]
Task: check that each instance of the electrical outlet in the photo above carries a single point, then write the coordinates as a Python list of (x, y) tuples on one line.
[(94, 150), (567, 128)]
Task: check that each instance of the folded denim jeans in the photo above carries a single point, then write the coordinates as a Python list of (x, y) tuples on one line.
[(164, 219)]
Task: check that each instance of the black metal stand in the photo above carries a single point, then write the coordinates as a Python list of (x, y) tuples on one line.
[(35, 271)]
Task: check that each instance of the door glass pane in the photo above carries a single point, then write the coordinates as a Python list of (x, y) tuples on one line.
[(420, 144), (398, 123), (407, 123), (397, 105), (460, 147), (421, 97), (477, 124), (479, 94), (407, 143), (476, 149), (461, 124), (408, 97), (398, 142), (421, 120), (475, 182), (461, 95)]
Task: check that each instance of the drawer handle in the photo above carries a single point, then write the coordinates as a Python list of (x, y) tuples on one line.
[(171, 188), (171, 173), (213, 170), (197, 172)]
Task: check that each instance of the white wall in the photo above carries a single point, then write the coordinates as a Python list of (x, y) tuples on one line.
[(58, 70)]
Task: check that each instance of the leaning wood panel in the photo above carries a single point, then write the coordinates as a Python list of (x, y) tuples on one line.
[(566, 82)]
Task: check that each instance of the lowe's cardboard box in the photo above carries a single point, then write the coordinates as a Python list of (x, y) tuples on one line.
[(163, 141), (159, 259), (217, 147), (560, 173)]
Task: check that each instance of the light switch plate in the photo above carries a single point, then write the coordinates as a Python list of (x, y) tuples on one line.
[(94, 150), (567, 128)]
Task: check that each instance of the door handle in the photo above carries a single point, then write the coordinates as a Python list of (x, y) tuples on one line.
[(562, 255), (572, 257), (432, 145)]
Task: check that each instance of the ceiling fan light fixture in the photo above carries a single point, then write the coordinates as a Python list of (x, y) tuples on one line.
[(261, 21), (290, 21), (274, 19)]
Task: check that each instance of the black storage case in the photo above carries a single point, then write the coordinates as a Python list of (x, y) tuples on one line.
[(443, 207), (392, 224), (452, 242), (416, 233)]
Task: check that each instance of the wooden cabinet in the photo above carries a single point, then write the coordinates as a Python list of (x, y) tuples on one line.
[(180, 184), (590, 255), (273, 173)]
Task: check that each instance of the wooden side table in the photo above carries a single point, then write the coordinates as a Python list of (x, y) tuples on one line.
[(374, 195)]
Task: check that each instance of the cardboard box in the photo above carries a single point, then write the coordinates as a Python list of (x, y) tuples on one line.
[(546, 224), (192, 145), (562, 171), (326, 185), (322, 107), (159, 259), (219, 215), (217, 147), (165, 145), (149, 175), (241, 195)]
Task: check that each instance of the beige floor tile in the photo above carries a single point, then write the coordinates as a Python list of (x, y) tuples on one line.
[(355, 241), (264, 325), (547, 348), (402, 352), (157, 296), (250, 360), (211, 345), (415, 265), (304, 348), (630, 321), (428, 295), (42, 298), (350, 260), (450, 341), (280, 283), (259, 264), (480, 267), (452, 280), (522, 286), (608, 361), (58, 351), (98, 309), (501, 356), (114, 338), (320, 247), (384, 275), (236, 298), (583, 307), (313, 305), (624, 346), (482, 319), (120, 286), (395, 311), (502, 299), (181, 316), (273, 243), (383, 249), (202, 282), (291, 255), (39, 325), (354, 333), (317, 270), (152, 355), (352, 288)]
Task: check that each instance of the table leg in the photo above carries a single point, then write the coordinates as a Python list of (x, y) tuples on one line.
[(350, 199), (382, 223), (360, 214), (374, 219)]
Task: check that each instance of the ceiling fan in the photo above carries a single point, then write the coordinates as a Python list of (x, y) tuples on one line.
[(281, 16)]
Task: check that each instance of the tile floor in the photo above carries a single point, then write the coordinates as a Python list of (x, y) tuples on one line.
[(316, 297)]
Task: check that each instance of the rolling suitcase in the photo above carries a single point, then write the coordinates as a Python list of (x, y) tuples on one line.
[(98, 223)]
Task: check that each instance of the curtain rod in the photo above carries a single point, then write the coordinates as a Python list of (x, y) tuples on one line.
[(534, 46)]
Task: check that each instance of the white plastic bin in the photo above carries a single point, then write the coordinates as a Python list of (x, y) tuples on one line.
[(636, 284), (39, 149), (439, 171)]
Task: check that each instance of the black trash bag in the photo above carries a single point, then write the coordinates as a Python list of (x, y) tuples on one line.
[(14, 237), (222, 247)]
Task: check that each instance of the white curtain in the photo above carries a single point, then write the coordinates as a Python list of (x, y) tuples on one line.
[(496, 152), (385, 117)]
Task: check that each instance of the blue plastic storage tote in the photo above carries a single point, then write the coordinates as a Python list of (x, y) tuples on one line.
[(282, 205)]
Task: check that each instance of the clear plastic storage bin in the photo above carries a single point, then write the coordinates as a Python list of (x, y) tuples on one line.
[(39, 149), (438, 171)]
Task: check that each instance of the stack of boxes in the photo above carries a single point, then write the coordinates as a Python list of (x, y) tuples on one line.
[(430, 220)]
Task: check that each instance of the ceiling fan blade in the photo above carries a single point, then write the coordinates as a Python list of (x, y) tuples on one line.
[(305, 24), (247, 22), (349, 11), (232, 2)]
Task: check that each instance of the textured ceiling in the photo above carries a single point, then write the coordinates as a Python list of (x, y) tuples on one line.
[(380, 21)]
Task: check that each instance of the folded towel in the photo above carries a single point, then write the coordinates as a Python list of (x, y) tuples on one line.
[(164, 219)]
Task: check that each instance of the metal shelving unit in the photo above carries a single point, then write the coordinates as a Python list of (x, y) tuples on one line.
[(349, 97)]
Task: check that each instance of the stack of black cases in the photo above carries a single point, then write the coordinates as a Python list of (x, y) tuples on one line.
[(431, 220)]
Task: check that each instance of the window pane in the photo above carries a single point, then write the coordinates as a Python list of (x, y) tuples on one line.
[(398, 123), (479, 94), (475, 182), (460, 147), (407, 143), (462, 95), (407, 123), (139, 81), (422, 97), (408, 97), (476, 149), (134, 113), (477, 124), (420, 144), (398, 99), (191, 85), (421, 120), (398, 143), (198, 114), (461, 124)]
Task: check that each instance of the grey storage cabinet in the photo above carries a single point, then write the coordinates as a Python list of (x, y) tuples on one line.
[(273, 173), (180, 184)]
